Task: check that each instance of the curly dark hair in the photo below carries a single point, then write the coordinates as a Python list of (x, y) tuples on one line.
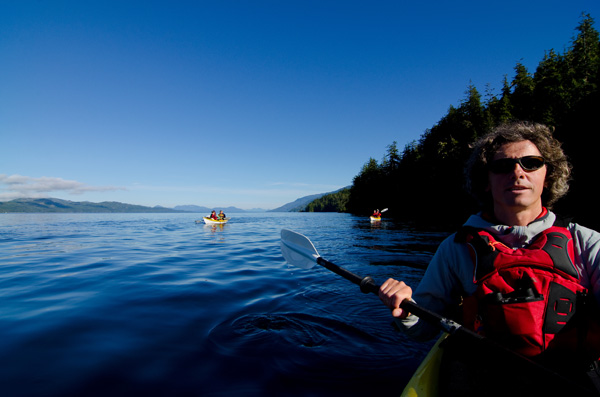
[(558, 168)]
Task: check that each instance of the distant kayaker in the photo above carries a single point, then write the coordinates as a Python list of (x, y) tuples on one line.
[(547, 265), (376, 213), (222, 215), (213, 215)]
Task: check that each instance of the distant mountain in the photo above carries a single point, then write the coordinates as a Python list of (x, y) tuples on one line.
[(200, 209), (192, 208), (300, 204), (66, 206)]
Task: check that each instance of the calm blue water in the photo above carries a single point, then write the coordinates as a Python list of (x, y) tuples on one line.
[(157, 305)]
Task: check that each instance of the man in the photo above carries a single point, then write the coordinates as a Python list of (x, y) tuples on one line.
[(499, 260)]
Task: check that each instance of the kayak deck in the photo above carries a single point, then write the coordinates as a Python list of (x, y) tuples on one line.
[(424, 382)]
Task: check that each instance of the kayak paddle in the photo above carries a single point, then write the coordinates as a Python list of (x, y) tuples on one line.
[(299, 251)]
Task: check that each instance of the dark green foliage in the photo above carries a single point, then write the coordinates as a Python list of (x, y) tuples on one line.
[(425, 181), (333, 202)]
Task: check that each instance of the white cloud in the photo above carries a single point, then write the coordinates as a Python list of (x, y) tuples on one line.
[(19, 186)]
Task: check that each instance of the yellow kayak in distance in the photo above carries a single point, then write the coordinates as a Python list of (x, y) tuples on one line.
[(210, 221), (375, 218)]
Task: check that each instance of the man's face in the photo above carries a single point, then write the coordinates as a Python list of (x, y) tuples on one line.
[(517, 190)]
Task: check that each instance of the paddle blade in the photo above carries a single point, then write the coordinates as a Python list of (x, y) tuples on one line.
[(298, 250), (383, 210)]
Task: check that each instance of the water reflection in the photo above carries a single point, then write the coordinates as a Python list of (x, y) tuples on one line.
[(215, 227)]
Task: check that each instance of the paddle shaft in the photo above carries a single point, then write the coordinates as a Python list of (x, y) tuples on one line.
[(367, 285)]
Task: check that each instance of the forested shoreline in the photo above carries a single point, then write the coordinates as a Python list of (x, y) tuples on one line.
[(424, 181)]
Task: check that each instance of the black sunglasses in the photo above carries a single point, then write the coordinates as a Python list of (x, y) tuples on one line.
[(528, 163)]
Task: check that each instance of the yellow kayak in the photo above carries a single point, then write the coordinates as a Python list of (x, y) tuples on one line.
[(210, 221), (424, 382), (375, 218)]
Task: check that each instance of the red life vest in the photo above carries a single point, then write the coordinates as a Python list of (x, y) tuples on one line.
[(526, 298)]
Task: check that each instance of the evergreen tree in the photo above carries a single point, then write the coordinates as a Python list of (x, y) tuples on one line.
[(522, 95), (505, 107), (499, 110), (584, 60), (392, 158), (366, 188), (551, 97)]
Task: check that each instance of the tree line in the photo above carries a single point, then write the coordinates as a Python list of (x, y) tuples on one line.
[(424, 181)]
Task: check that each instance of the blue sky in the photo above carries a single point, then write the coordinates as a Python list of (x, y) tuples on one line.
[(250, 104)]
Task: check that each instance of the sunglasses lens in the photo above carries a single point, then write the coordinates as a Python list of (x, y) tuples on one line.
[(531, 163), (502, 166)]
